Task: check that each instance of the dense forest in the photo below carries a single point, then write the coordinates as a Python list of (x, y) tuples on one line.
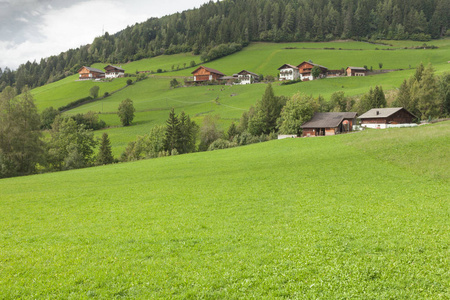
[(216, 27)]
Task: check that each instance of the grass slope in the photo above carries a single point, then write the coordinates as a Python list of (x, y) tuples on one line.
[(153, 98), (362, 215)]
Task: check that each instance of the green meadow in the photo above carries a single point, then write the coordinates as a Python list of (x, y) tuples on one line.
[(153, 97), (356, 216)]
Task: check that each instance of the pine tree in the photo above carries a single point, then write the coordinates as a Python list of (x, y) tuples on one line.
[(172, 136), (105, 156), (428, 102), (267, 111)]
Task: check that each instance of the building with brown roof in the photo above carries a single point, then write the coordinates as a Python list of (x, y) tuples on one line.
[(202, 74), (329, 123), (114, 72), (305, 70), (386, 117), (90, 73)]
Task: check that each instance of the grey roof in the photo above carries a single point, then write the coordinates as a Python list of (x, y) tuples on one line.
[(243, 72), (92, 69), (381, 112), (357, 68), (328, 119), (210, 70), (117, 68), (287, 65), (312, 64)]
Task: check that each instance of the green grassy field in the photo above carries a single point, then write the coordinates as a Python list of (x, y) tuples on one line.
[(153, 98), (357, 216)]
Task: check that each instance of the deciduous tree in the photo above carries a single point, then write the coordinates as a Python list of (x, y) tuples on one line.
[(298, 110), (21, 147), (126, 112)]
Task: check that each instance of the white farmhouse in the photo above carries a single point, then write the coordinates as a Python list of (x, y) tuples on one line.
[(288, 72), (114, 72), (247, 77)]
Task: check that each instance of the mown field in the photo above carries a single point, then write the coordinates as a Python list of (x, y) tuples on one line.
[(357, 216), (153, 97)]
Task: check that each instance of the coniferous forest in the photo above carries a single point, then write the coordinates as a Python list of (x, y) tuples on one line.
[(227, 26)]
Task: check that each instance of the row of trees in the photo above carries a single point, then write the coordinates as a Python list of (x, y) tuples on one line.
[(23, 149), (425, 94), (222, 27)]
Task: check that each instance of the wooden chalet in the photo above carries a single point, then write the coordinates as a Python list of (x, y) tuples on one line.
[(305, 69), (90, 73), (384, 117), (288, 72), (114, 72), (356, 71), (247, 77), (329, 123), (202, 74)]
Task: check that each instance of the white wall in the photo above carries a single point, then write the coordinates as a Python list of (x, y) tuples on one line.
[(294, 74)]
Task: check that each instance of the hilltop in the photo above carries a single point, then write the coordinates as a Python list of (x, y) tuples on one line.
[(360, 215)]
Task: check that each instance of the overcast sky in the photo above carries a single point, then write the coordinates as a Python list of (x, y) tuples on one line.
[(33, 29)]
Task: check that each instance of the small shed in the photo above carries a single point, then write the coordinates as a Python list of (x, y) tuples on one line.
[(329, 123), (202, 74), (305, 69), (356, 71), (247, 77), (384, 117), (288, 72), (114, 72), (90, 73)]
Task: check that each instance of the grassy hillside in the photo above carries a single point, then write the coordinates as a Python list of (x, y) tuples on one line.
[(362, 215), (153, 98)]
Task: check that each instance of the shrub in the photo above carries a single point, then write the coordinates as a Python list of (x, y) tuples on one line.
[(221, 144)]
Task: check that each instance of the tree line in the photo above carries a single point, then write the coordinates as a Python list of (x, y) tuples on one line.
[(220, 28)]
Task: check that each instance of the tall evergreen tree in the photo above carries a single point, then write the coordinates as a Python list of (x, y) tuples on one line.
[(105, 156), (428, 101), (173, 133), (267, 111)]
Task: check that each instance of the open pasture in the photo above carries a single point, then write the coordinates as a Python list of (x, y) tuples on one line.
[(153, 98), (362, 215)]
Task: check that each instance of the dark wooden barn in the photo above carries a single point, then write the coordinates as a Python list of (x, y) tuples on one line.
[(383, 117), (90, 73), (329, 123)]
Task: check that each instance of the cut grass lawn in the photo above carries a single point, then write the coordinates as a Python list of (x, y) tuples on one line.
[(360, 216)]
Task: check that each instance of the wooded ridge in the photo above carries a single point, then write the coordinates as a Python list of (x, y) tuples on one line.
[(240, 22)]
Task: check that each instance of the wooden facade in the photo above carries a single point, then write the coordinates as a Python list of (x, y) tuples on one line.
[(114, 72), (383, 117), (90, 73), (329, 123), (305, 69), (356, 71), (202, 74)]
